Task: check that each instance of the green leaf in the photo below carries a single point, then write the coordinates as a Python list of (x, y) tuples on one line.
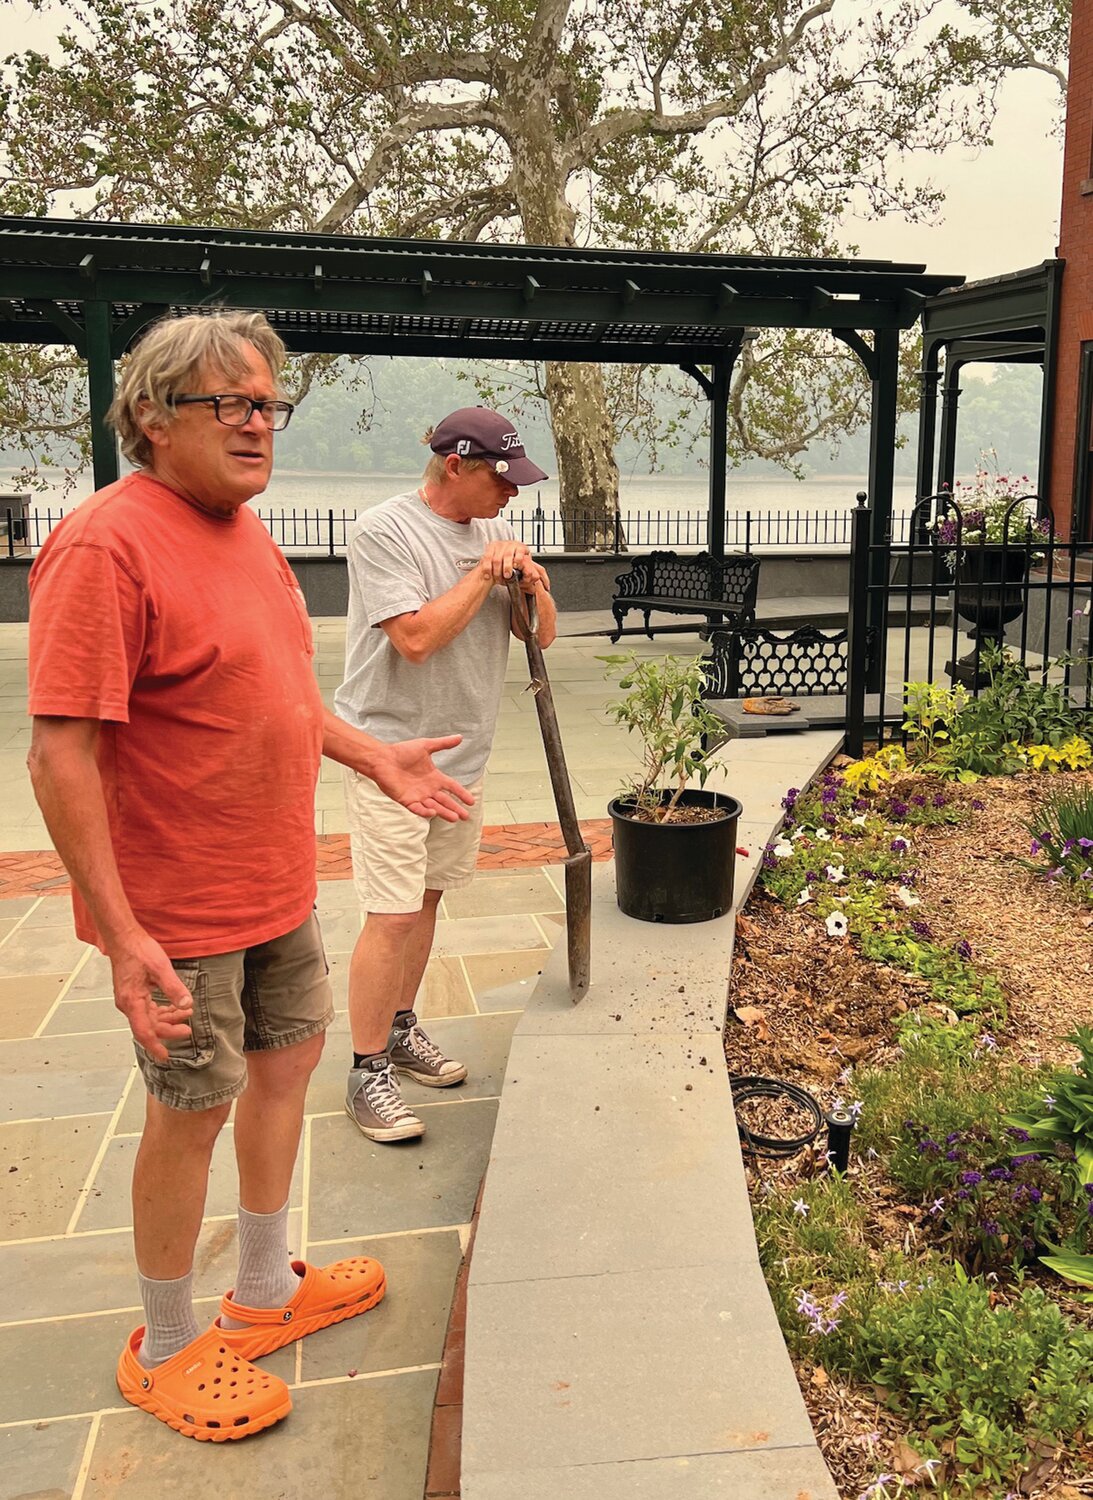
[(1070, 1265)]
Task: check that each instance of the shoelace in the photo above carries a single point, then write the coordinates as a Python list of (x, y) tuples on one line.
[(381, 1092), (422, 1046)]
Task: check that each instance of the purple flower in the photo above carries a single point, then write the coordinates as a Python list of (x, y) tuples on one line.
[(964, 948), (989, 1226), (1000, 1174), (899, 846), (919, 800), (908, 1124), (952, 1137), (940, 799), (1017, 1133), (977, 805), (1085, 843), (1035, 846), (829, 795), (811, 876), (1034, 1195), (971, 1179), (962, 1193), (860, 804), (1019, 1161), (953, 1155), (921, 929), (898, 809)]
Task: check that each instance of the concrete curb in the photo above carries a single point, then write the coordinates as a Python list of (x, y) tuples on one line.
[(620, 1340)]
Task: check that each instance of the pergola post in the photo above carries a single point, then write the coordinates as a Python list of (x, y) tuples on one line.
[(882, 462), (950, 409), (929, 378), (100, 390), (719, 444)]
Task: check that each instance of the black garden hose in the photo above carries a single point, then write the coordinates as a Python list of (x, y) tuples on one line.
[(772, 1146)]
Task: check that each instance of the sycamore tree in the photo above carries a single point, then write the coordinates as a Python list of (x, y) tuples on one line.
[(744, 126)]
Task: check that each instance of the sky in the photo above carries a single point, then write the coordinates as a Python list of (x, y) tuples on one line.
[(1002, 203)]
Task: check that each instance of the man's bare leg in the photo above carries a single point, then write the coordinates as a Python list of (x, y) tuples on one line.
[(170, 1181), (269, 1116), (268, 1120), (386, 970)]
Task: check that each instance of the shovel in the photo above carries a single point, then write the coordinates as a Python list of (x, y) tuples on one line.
[(578, 865)]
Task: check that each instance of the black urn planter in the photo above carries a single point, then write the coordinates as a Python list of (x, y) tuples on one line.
[(990, 588), (676, 872)]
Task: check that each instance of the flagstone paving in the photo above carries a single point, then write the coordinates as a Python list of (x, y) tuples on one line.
[(71, 1109)]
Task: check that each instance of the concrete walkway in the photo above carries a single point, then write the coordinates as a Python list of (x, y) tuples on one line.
[(620, 1339)]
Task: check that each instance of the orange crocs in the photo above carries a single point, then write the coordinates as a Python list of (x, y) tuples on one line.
[(205, 1391), (326, 1295)]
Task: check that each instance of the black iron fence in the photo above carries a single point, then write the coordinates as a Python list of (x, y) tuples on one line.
[(326, 531), (931, 604)]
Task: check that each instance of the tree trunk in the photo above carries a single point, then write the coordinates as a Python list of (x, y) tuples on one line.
[(584, 433), (588, 476)]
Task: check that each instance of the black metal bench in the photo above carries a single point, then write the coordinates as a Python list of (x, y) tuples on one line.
[(723, 590), (751, 662)]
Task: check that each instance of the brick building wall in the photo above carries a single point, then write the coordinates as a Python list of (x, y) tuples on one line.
[(1076, 248)]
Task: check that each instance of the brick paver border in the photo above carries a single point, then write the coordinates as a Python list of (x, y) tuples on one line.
[(505, 846)]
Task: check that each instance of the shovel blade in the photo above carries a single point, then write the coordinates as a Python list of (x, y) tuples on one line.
[(578, 921)]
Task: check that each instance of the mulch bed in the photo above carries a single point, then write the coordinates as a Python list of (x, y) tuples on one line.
[(804, 1007)]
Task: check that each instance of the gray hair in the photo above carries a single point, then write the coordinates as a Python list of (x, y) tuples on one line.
[(168, 358), (436, 470)]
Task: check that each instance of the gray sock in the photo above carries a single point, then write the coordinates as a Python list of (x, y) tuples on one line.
[(266, 1277), (169, 1322)]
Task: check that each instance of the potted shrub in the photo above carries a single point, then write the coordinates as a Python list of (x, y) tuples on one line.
[(675, 843), (990, 533)]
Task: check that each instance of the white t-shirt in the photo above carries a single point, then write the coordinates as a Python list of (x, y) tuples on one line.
[(400, 556)]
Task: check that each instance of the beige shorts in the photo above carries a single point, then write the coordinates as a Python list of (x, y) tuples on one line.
[(271, 995), (397, 856)]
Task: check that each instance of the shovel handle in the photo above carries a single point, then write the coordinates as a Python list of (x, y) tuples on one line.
[(524, 606)]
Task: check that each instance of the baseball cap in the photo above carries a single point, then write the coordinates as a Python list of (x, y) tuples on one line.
[(478, 432)]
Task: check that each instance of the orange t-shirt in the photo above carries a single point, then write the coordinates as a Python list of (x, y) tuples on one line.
[(187, 635)]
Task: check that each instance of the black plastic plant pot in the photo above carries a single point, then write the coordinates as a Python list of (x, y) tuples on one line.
[(675, 872)]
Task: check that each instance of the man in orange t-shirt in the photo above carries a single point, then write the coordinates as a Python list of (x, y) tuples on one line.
[(178, 729)]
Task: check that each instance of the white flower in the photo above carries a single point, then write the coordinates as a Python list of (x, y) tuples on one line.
[(823, 835), (908, 898), (783, 849), (806, 895), (835, 872), (798, 833), (837, 925), (801, 1207), (859, 821)]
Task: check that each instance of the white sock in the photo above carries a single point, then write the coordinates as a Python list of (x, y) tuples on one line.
[(169, 1322), (266, 1277)]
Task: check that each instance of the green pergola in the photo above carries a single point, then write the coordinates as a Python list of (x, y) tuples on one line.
[(1010, 319), (95, 286)]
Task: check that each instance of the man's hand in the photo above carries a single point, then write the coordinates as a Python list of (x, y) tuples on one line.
[(406, 773), (533, 577), (141, 966), (501, 559)]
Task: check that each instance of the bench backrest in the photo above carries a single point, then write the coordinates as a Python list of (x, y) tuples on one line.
[(733, 581), (750, 661)]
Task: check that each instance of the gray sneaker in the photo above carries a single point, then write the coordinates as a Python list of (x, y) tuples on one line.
[(416, 1055), (374, 1104)]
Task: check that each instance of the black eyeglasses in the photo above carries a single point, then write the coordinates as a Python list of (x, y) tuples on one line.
[(236, 411)]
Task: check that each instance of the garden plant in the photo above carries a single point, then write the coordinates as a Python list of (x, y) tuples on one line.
[(939, 1282)]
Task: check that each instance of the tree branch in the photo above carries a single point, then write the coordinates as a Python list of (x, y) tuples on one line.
[(624, 122), (466, 115)]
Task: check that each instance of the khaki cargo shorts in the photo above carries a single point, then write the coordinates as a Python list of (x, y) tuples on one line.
[(397, 856), (271, 995)]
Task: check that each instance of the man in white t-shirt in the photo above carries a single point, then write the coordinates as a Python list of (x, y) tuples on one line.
[(426, 644)]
